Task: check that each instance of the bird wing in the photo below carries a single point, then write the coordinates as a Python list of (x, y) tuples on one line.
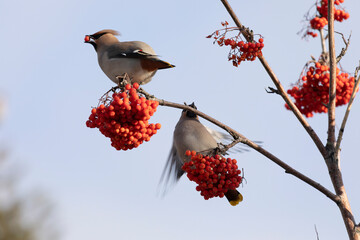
[(134, 49), (139, 50), (227, 139)]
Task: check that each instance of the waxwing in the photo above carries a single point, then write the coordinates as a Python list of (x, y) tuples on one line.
[(136, 59), (190, 134)]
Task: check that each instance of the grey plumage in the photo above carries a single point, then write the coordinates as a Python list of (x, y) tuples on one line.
[(190, 134)]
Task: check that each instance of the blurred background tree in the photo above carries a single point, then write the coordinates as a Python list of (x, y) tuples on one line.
[(25, 216)]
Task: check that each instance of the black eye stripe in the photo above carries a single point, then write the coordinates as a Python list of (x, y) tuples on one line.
[(97, 36)]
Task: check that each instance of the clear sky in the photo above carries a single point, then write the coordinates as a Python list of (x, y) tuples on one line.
[(50, 80)]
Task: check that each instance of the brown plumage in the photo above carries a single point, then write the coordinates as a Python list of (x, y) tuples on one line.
[(135, 58)]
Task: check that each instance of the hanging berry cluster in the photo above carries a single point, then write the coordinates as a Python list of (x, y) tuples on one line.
[(320, 20), (312, 92), (124, 118), (239, 50), (214, 175)]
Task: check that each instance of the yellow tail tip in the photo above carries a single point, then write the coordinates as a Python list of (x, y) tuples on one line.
[(236, 201), (170, 65)]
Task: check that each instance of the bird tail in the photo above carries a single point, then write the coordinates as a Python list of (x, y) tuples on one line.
[(164, 65), (234, 197)]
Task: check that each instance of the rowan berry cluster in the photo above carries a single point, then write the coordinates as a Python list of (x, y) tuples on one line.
[(124, 118), (239, 50), (214, 175), (339, 14), (312, 92), (320, 20), (318, 23)]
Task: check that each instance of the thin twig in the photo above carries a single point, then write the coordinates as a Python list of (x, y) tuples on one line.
[(225, 148), (317, 234), (280, 88), (324, 56), (347, 112), (323, 42), (343, 50)]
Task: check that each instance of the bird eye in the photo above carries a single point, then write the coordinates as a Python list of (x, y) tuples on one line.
[(87, 38)]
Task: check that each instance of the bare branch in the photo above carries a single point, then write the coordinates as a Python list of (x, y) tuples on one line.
[(347, 112), (280, 88), (317, 234)]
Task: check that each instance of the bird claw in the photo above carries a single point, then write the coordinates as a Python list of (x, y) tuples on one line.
[(272, 90)]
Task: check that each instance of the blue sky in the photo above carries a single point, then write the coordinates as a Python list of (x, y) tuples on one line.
[(50, 80)]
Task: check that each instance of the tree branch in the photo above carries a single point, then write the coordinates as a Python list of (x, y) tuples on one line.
[(280, 88), (333, 159), (332, 88), (241, 138), (347, 112), (323, 42), (343, 50)]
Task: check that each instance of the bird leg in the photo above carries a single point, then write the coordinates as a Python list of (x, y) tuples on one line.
[(123, 80)]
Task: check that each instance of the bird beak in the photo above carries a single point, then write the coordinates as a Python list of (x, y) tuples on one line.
[(88, 39)]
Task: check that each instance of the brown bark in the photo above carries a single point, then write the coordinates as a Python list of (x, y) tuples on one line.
[(333, 159)]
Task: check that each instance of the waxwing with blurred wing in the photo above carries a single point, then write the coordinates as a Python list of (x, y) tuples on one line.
[(136, 59), (190, 134)]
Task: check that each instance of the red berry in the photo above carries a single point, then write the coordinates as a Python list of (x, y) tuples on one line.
[(136, 85)]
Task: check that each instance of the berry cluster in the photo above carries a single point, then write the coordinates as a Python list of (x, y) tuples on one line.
[(312, 92), (320, 21), (124, 118), (339, 14), (214, 175), (239, 50)]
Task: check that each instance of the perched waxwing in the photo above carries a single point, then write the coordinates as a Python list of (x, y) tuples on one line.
[(190, 134), (136, 59)]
